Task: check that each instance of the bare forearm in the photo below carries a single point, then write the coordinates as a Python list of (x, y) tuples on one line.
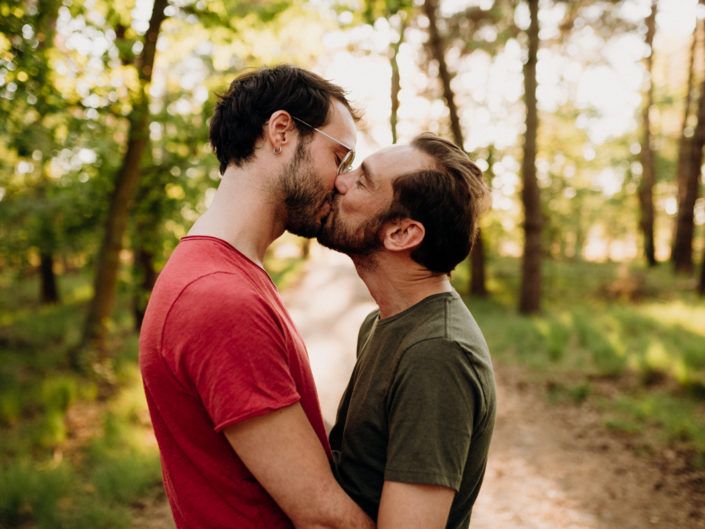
[(287, 459), (334, 509), (410, 506)]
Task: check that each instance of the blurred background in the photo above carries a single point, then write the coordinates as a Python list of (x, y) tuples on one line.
[(587, 118)]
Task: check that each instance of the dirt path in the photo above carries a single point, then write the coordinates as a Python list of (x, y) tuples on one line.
[(550, 467)]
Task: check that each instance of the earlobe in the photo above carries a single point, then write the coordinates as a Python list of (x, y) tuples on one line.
[(403, 234)]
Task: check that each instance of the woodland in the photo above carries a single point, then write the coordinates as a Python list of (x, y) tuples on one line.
[(587, 118)]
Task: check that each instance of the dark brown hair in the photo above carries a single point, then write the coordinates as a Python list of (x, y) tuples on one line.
[(447, 199), (253, 96)]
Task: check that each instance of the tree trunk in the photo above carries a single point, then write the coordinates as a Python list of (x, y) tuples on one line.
[(147, 274), (438, 52), (646, 188), (107, 266), (477, 259), (48, 13), (396, 81), (701, 283), (530, 294), (46, 240), (50, 292), (478, 283), (682, 250)]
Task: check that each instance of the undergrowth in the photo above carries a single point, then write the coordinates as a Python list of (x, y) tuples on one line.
[(628, 339)]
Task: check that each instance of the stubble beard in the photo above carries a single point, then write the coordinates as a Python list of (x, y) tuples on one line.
[(357, 242), (303, 194)]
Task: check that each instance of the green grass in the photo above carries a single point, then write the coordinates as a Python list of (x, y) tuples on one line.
[(606, 329), (47, 479)]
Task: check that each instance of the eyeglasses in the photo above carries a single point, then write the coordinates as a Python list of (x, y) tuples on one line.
[(346, 163)]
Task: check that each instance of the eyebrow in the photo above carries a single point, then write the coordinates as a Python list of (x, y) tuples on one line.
[(367, 175)]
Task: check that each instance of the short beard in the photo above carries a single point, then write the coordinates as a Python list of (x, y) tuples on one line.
[(363, 241), (303, 193)]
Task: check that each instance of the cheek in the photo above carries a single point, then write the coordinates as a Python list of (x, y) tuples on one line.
[(328, 181), (325, 176), (353, 208), (324, 169)]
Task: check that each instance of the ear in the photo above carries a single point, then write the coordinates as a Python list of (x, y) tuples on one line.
[(278, 129), (402, 234)]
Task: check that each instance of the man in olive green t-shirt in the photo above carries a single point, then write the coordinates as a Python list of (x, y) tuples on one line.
[(414, 425)]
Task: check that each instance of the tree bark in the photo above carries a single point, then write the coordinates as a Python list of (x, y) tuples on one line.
[(396, 81), (145, 270), (50, 292), (530, 294), (701, 283), (682, 251), (105, 280), (478, 281), (46, 239), (477, 260), (438, 52), (646, 188), (48, 13)]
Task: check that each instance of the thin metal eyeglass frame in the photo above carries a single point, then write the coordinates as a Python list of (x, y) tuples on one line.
[(346, 163)]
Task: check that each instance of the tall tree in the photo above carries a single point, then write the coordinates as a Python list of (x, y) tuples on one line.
[(688, 171), (646, 186), (127, 178), (393, 11), (396, 77), (32, 116), (48, 11), (530, 293), (437, 48), (701, 282)]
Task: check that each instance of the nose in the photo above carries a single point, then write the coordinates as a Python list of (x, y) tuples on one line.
[(343, 182)]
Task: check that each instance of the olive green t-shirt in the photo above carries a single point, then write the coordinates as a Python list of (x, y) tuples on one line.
[(419, 407)]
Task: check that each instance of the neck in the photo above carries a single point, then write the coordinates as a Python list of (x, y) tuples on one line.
[(244, 213), (396, 282)]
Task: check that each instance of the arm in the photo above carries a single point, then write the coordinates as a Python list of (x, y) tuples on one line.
[(284, 454), (413, 506)]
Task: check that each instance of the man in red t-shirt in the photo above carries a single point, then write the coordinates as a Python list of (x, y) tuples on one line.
[(226, 374)]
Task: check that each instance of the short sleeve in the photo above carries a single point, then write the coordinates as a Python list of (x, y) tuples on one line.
[(233, 351), (431, 405)]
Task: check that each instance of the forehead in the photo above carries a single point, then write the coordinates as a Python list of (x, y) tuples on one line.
[(387, 164)]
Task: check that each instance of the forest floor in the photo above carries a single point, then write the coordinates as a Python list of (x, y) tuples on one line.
[(551, 466)]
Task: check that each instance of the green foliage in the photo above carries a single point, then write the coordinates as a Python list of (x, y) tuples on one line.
[(121, 481), (669, 416), (285, 266), (89, 514), (31, 493), (587, 344), (46, 480)]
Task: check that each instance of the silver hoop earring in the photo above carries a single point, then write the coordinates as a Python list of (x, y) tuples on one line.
[(277, 151)]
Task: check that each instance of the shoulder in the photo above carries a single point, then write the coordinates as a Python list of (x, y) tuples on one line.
[(442, 361), (436, 351), (366, 327), (219, 300)]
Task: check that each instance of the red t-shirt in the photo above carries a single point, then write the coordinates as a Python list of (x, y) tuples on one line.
[(217, 347)]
